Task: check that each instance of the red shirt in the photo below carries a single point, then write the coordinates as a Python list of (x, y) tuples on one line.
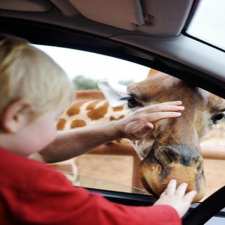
[(33, 193)]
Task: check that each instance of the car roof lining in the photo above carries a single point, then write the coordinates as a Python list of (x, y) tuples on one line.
[(147, 16), (26, 5)]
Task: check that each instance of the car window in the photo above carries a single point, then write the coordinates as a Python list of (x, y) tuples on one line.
[(116, 165), (207, 21)]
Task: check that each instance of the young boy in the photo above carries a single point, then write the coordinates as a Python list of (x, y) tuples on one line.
[(34, 90)]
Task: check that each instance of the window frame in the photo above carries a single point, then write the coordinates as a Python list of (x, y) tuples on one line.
[(46, 34)]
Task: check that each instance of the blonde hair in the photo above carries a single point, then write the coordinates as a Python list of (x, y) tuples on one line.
[(28, 73)]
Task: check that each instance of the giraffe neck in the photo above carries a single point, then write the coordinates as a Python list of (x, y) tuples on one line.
[(86, 112)]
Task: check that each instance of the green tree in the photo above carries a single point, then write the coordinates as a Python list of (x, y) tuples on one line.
[(125, 82), (83, 83)]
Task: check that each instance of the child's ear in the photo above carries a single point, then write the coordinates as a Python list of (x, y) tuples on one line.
[(16, 116)]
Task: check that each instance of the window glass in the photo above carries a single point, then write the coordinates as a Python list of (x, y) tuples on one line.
[(208, 22), (116, 165), (215, 221)]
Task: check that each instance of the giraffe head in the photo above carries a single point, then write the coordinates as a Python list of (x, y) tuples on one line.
[(172, 150)]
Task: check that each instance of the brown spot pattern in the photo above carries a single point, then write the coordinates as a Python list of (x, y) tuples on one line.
[(78, 123), (117, 108), (73, 110), (92, 105), (61, 124), (99, 112), (111, 118)]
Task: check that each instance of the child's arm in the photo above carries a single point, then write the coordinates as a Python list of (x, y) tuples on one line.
[(78, 141)]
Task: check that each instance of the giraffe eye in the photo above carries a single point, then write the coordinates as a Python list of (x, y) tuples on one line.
[(132, 101), (218, 116)]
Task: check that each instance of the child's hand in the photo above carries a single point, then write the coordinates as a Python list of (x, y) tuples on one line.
[(176, 197), (139, 123)]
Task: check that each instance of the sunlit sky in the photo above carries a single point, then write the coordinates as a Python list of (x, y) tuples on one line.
[(95, 66), (208, 22)]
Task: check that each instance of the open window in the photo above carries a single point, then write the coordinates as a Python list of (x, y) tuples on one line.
[(115, 165)]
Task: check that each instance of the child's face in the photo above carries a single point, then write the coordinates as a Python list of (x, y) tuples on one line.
[(38, 134)]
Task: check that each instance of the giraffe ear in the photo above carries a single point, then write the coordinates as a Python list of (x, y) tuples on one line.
[(113, 93)]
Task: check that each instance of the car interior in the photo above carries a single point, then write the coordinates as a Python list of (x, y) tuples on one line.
[(155, 34)]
